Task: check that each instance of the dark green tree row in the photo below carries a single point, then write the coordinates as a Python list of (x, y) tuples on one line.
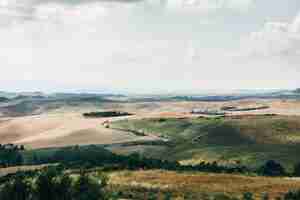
[(96, 156), (54, 183), (106, 114)]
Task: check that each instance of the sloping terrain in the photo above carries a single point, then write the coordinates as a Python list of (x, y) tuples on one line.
[(23, 105), (249, 140), (53, 130), (41, 121)]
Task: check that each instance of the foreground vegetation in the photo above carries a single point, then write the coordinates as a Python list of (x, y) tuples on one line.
[(78, 172), (234, 158), (200, 185), (58, 183), (54, 184)]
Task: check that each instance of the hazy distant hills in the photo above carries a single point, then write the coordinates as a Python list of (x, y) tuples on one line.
[(282, 94), (31, 103), (4, 99), (207, 96)]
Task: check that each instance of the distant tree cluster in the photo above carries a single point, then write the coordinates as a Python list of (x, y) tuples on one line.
[(106, 114), (12, 147), (272, 168), (3, 99), (292, 195), (235, 109), (297, 170), (10, 155), (51, 184), (297, 90)]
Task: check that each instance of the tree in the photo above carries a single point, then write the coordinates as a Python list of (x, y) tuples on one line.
[(10, 157), (22, 147), (168, 196), (45, 185), (297, 170), (248, 196), (17, 189), (85, 188), (272, 168), (63, 188), (152, 196), (292, 195), (297, 90), (265, 196)]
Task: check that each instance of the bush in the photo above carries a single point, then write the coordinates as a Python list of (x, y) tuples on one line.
[(272, 168), (292, 195), (297, 170), (46, 185), (223, 197), (248, 196), (265, 196), (16, 189), (86, 188)]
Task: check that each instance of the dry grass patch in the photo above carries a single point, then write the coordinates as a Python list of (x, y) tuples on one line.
[(199, 183)]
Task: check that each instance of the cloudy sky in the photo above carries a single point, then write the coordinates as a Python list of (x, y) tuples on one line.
[(149, 45)]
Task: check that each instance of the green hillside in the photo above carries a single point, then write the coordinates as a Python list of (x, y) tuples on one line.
[(249, 140)]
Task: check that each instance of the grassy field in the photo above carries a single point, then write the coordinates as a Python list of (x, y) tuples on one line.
[(249, 140), (198, 185)]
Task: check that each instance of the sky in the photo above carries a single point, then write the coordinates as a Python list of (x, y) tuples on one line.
[(145, 46)]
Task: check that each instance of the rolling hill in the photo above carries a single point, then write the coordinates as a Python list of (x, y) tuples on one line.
[(249, 140)]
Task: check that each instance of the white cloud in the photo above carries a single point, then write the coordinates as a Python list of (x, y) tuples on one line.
[(276, 39), (61, 13), (96, 44), (295, 26), (211, 5)]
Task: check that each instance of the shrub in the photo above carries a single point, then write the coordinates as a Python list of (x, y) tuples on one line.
[(272, 168), (292, 195), (297, 170), (17, 189), (86, 188), (46, 185), (248, 196), (265, 196)]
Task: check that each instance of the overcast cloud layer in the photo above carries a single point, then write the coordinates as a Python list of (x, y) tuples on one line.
[(149, 45)]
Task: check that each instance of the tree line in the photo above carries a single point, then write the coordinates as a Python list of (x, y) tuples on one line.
[(106, 114), (97, 156)]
